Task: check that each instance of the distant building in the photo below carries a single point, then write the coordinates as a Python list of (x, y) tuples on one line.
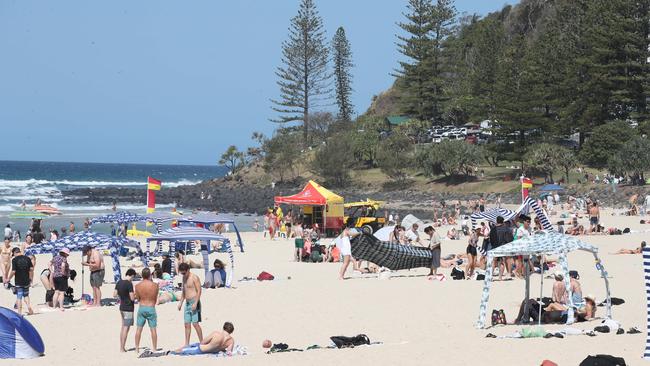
[(394, 121)]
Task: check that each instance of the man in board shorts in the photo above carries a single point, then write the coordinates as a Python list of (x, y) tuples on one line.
[(146, 292), (95, 262)]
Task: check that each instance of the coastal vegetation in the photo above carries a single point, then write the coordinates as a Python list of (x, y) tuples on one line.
[(554, 85)]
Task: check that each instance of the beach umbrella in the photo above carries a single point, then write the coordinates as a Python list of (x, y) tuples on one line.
[(551, 188), (120, 217), (383, 234)]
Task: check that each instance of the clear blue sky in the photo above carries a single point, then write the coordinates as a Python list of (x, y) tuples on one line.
[(165, 81)]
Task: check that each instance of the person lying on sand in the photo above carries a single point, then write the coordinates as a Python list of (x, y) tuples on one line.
[(638, 250), (217, 341), (182, 258)]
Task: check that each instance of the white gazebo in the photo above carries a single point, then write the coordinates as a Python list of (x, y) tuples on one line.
[(542, 243)]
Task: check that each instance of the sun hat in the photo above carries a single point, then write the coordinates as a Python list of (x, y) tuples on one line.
[(558, 274), (65, 251), (591, 297)]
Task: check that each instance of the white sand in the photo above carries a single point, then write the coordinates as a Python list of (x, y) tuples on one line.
[(420, 322)]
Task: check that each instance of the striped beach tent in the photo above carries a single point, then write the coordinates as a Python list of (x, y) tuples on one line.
[(81, 239), (543, 243), (120, 217), (492, 214), (192, 233), (525, 208), (209, 218), (646, 276), (392, 256)]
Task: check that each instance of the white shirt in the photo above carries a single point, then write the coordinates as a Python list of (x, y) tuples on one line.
[(413, 236), (8, 232)]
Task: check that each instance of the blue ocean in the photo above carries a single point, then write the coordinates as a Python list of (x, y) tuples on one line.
[(28, 181)]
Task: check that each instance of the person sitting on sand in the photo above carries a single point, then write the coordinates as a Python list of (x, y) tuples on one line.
[(637, 250), (216, 277), (182, 258), (453, 234), (215, 342), (560, 295)]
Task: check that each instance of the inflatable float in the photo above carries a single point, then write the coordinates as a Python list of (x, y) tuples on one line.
[(47, 209)]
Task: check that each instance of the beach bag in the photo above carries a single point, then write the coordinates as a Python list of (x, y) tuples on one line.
[(603, 360), (350, 342), (265, 276), (626, 230), (457, 274)]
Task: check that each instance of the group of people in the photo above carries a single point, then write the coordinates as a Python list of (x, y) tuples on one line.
[(150, 292)]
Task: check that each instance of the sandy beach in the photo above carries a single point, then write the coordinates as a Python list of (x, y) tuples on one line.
[(419, 322)]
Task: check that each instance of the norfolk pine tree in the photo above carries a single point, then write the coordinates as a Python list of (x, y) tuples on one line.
[(303, 76), (342, 58)]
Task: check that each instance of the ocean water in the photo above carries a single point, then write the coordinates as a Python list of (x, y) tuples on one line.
[(48, 181)]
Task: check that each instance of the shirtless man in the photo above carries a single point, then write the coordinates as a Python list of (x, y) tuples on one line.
[(218, 341), (594, 217), (146, 292), (192, 296), (95, 262)]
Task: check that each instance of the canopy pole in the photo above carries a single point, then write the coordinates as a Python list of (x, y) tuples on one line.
[(325, 221), (599, 266), (567, 283), (486, 293), (527, 277), (541, 289)]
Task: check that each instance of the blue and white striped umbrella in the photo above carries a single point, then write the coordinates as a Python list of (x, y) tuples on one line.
[(120, 217), (81, 239)]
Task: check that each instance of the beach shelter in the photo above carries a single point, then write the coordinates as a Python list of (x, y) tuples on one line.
[(209, 218), (543, 243), (79, 240), (320, 206), (392, 256), (551, 188), (18, 337), (528, 205), (192, 233), (120, 217)]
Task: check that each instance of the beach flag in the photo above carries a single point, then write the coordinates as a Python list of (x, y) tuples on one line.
[(153, 185), (526, 184)]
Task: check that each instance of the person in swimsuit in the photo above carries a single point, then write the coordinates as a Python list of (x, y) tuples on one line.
[(60, 271), (637, 250), (5, 258), (345, 247), (299, 241), (146, 292), (218, 341), (472, 253), (47, 284), (192, 296), (95, 262), (594, 217)]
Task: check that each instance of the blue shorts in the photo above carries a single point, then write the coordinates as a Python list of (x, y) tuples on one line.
[(147, 314), (22, 292), (192, 316)]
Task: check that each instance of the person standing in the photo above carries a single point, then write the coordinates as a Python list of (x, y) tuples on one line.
[(146, 292), (192, 296), (594, 217), (345, 248), (299, 241), (9, 234), (71, 229), (435, 246), (23, 271), (124, 290), (500, 235), (5, 258), (521, 232), (60, 271), (472, 251), (95, 262)]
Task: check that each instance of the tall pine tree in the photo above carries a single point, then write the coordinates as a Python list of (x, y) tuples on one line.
[(413, 76), (342, 57), (303, 77), (443, 15)]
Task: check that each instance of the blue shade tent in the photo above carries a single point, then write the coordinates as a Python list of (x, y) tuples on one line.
[(208, 218), (120, 217), (18, 337), (191, 233), (551, 188), (77, 241)]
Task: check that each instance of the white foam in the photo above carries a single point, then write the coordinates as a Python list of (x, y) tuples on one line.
[(4, 183)]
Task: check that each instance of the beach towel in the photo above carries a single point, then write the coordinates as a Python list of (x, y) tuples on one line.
[(392, 256)]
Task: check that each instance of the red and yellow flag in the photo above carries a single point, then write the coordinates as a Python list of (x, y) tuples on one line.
[(153, 184), (526, 183)]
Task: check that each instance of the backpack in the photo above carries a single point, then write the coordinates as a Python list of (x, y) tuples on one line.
[(350, 342), (457, 274), (265, 276), (603, 360)]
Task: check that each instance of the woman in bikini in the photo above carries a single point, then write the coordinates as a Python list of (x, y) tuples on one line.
[(5, 258)]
